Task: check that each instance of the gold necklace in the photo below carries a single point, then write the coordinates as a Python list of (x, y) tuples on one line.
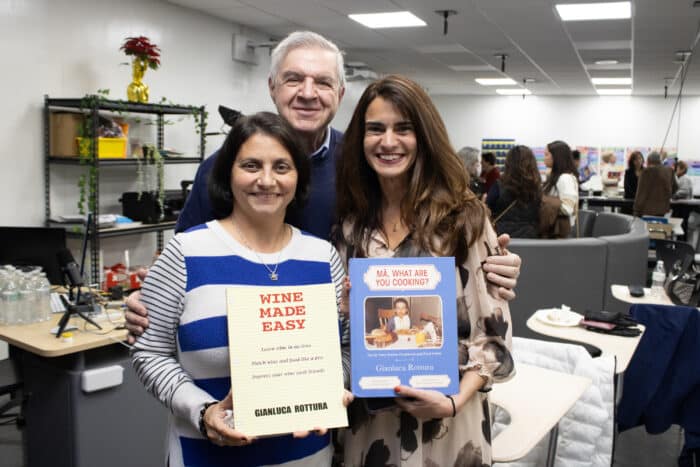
[(272, 271)]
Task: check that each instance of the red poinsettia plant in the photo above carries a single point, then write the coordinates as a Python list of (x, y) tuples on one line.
[(142, 48)]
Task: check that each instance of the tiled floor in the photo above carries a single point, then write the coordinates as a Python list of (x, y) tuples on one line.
[(10, 446), (637, 448)]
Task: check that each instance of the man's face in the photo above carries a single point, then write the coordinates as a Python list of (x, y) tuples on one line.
[(306, 90)]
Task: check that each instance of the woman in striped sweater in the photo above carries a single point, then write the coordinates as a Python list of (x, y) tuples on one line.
[(261, 174)]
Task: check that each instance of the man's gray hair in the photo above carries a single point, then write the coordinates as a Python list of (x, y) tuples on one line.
[(654, 158), (305, 39), (469, 155)]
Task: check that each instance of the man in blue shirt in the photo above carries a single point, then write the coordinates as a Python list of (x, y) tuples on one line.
[(307, 84)]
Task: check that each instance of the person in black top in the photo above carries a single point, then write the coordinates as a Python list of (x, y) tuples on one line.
[(635, 164), (515, 199)]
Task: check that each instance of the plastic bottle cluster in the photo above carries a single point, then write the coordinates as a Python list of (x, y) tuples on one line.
[(24, 296)]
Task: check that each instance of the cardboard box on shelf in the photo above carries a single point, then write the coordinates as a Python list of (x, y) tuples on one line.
[(63, 129)]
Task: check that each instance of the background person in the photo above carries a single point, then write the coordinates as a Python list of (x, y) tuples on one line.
[(584, 173), (183, 357), (635, 165), (685, 184), (472, 162), (515, 199), (562, 179), (489, 171), (407, 195), (656, 186), (609, 174)]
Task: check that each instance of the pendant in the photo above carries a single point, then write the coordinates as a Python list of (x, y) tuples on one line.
[(274, 276)]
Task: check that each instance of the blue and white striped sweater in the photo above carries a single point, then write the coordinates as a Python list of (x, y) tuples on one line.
[(183, 356)]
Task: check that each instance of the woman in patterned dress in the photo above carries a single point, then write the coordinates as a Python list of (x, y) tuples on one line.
[(405, 193)]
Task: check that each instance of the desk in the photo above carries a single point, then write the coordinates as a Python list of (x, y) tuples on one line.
[(622, 293), (621, 347), (604, 201), (67, 426), (681, 208), (534, 408), (688, 205), (37, 339)]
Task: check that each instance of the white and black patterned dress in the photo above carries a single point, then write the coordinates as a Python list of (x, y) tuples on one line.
[(396, 438)]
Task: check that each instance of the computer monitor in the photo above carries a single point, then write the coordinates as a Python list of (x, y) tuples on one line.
[(33, 246)]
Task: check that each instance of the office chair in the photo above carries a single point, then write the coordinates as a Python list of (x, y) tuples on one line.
[(10, 384), (672, 252)]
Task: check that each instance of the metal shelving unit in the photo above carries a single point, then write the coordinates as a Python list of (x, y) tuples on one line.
[(96, 106)]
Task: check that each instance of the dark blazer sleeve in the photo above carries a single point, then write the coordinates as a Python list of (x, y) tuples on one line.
[(493, 195), (197, 209)]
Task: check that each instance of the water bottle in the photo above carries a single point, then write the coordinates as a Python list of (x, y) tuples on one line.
[(658, 277), (3, 280), (10, 299), (42, 288), (27, 302)]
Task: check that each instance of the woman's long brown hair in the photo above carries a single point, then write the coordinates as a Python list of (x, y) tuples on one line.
[(521, 176), (445, 217)]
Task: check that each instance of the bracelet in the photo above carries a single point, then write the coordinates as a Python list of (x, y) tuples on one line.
[(454, 407), (202, 428)]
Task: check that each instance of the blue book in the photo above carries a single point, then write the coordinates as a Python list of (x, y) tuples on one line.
[(403, 325)]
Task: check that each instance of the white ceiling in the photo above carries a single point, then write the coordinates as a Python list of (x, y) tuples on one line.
[(559, 56)]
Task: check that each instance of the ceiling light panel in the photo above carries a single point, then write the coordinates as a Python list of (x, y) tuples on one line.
[(442, 49), (616, 67), (472, 68), (621, 55), (514, 92), (396, 19), (594, 11), (611, 81), (495, 81), (615, 92), (603, 45)]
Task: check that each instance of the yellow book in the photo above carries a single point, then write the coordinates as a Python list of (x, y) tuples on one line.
[(286, 369)]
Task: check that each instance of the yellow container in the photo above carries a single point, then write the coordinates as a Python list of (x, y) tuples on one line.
[(109, 148)]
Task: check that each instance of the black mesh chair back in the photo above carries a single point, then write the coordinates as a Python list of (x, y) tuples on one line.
[(672, 252)]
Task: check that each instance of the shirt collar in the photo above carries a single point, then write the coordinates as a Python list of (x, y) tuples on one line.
[(322, 151)]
